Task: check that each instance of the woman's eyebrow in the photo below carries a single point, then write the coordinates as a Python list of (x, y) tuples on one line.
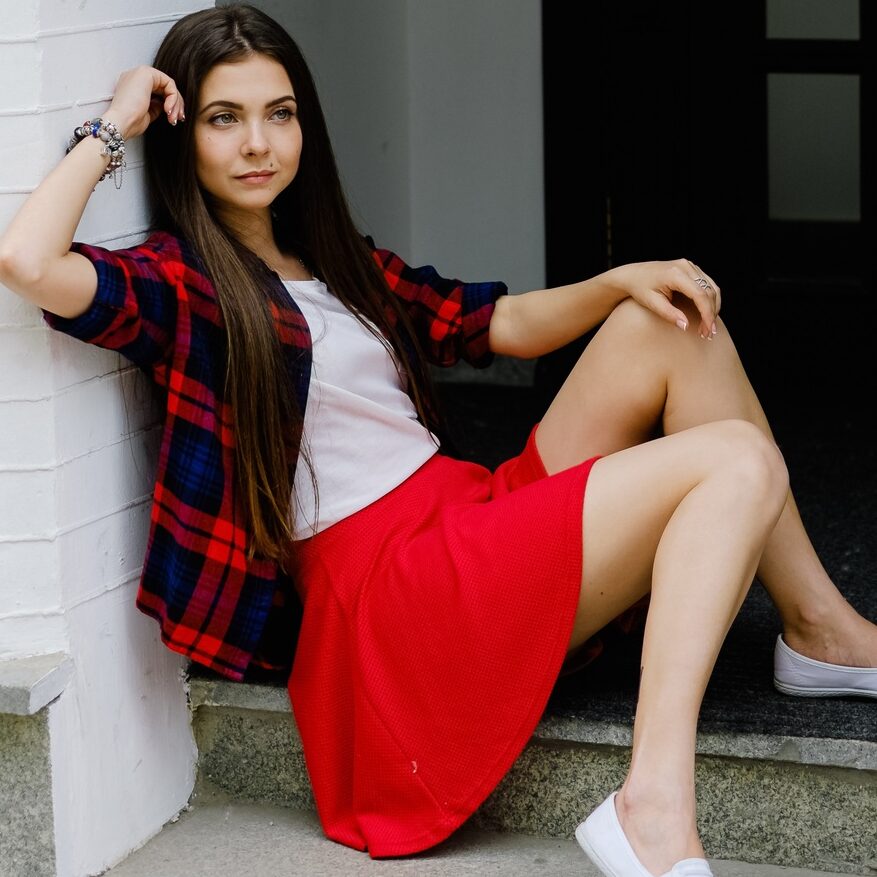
[(234, 106)]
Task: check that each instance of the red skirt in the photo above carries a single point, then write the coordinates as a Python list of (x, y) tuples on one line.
[(436, 621)]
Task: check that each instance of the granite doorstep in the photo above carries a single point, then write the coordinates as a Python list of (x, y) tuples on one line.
[(27, 835), (826, 752), (750, 809), (224, 693), (252, 756), (736, 744), (28, 684), (227, 838)]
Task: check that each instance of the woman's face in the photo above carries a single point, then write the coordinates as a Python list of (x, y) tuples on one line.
[(246, 122)]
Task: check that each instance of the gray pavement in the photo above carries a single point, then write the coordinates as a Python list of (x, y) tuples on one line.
[(230, 839)]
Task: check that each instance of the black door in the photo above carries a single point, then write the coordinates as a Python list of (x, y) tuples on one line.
[(736, 135)]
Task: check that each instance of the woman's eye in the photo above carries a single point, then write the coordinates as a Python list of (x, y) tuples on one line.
[(223, 120)]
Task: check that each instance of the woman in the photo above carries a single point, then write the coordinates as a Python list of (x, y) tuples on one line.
[(440, 600)]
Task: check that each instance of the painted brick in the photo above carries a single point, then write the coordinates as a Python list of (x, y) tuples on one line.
[(129, 766), (100, 412), (32, 635), (74, 361), (72, 536), (117, 49), (28, 576), (27, 434), (25, 365), (27, 504), (19, 79), (104, 553), (20, 136), (19, 20), (102, 482), (10, 204), (61, 14), (113, 216), (17, 313)]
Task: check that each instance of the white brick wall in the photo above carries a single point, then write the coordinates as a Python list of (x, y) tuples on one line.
[(79, 430)]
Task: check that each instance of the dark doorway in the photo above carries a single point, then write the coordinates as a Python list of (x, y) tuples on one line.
[(678, 128)]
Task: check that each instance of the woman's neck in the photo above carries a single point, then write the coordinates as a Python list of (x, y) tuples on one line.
[(255, 231)]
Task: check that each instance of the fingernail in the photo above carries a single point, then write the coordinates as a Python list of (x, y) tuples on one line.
[(715, 330), (173, 121), (682, 324)]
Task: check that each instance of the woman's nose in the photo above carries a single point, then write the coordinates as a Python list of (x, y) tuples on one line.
[(255, 140)]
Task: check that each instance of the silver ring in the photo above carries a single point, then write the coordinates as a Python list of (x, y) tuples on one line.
[(702, 283)]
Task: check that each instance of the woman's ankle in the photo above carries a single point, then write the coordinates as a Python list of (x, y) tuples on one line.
[(635, 799), (659, 823), (842, 637)]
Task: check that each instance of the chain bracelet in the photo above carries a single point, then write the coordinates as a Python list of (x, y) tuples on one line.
[(114, 145)]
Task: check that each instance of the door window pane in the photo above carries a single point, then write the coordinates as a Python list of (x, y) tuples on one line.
[(813, 146), (813, 19)]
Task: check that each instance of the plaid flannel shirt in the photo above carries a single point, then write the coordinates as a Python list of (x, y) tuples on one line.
[(155, 305)]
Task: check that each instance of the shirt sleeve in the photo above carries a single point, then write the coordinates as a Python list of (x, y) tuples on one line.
[(451, 318), (134, 308)]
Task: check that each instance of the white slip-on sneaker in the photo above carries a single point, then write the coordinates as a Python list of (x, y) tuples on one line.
[(801, 676), (603, 840)]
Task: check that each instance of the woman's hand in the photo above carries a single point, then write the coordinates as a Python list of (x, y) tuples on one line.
[(652, 284), (142, 94)]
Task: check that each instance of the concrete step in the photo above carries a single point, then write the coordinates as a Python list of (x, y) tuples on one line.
[(788, 801), (230, 838)]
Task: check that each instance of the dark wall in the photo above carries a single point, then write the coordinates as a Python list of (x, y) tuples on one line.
[(656, 147)]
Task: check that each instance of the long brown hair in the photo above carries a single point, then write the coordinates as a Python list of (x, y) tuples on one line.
[(311, 218)]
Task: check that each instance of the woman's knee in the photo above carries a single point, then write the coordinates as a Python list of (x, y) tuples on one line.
[(630, 317), (752, 459)]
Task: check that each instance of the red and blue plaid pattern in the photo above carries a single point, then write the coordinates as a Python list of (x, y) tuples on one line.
[(156, 306), (451, 318)]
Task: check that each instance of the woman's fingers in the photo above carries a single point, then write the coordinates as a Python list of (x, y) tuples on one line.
[(704, 292), (709, 280), (662, 306), (162, 84), (653, 285), (706, 276), (142, 95)]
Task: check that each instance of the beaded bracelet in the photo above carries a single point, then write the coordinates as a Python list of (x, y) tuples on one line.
[(114, 145)]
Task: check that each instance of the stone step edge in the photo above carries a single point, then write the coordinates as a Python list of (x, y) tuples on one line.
[(822, 751), (29, 683)]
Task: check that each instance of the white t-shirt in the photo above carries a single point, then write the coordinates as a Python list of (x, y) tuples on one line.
[(361, 430)]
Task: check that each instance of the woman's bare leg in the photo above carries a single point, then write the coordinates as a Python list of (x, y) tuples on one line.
[(640, 376), (687, 515)]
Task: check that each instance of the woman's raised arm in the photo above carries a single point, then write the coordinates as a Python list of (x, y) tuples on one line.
[(531, 324), (35, 258)]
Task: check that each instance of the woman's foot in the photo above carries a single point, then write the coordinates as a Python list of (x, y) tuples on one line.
[(841, 637), (797, 675), (606, 844)]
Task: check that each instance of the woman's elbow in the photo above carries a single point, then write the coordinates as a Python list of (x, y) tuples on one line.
[(17, 271), (501, 334)]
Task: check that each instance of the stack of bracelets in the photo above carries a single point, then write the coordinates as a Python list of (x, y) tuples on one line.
[(114, 145)]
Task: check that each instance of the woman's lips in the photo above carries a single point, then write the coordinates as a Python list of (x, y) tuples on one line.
[(256, 180)]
